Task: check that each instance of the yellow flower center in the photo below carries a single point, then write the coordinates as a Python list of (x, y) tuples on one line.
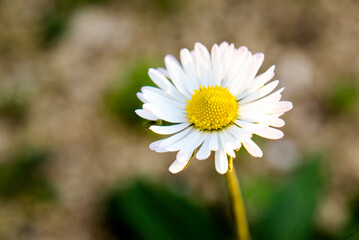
[(212, 108)]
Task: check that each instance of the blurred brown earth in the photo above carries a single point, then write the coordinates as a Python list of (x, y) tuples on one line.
[(312, 43)]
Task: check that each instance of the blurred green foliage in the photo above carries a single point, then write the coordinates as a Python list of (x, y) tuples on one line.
[(55, 23), (277, 211), (158, 7), (351, 230), (54, 26), (343, 97), (14, 104), (120, 99), (151, 212), (290, 214), (21, 175), (258, 193), (353, 235)]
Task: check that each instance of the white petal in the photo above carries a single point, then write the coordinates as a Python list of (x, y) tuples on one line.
[(160, 150), (260, 93), (174, 138), (189, 142), (177, 166), (265, 77), (226, 58), (260, 129), (257, 63), (163, 83), (216, 65), (281, 107), (204, 152), (258, 82), (165, 130), (239, 134), (228, 143), (249, 75), (221, 161), (249, 126), (235, 138), (159, 97), (276, 122), (175, 75), (146, 115), (183, 156), (188, 66), (223, 46), (252, 148), (163, 71), (239, 77), (270, 133), (269, 120), (203, 64), (213, 141), (188, 84), (202, 51), (238, 64), (167, 114), (160, 80), (261, 103), (155, 146), (140, 96)]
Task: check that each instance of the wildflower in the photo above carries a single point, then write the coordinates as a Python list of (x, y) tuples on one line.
[(212, 102)]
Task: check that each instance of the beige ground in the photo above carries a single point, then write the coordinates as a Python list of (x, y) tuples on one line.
[(311, 42)]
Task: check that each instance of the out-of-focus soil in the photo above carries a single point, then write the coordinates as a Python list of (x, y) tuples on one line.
[(310, 42)]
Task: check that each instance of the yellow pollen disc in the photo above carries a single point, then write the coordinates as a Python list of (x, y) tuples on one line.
[(212, 108)]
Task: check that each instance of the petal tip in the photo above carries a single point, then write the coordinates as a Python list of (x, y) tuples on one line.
[(222, 171), (177, 167)]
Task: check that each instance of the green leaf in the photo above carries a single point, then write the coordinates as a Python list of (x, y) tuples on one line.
[(120, 99), (149, 212), (291, 214), (21, 175), (343, 97), (14, 104)]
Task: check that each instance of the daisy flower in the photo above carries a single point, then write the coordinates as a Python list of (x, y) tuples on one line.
[(212, 101)]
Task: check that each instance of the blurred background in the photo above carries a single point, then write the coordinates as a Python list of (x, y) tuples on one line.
[(74, 158)]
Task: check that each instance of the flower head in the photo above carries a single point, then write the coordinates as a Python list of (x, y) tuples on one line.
[(213, 102)]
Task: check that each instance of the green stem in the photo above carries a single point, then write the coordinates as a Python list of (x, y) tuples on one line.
[(235, 196)]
